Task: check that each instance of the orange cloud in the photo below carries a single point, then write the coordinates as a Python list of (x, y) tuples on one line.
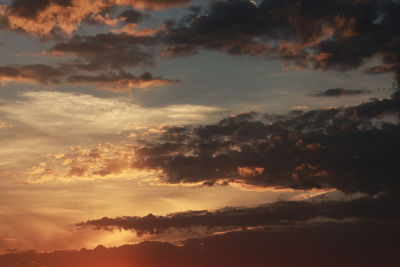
[(122, 81), (55, 17), (4, 125), (64, 18), (250, 171), (131, 29), (151, 4)]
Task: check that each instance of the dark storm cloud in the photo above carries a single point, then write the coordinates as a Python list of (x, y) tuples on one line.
[(277, 214), (229, 26), (351, 149), (358, 244), (337, 92), (110, 50), (336, 34)]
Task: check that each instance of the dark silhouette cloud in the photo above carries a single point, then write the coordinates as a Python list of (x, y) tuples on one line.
[(279, 214), (351, 244), (351, 149), (336, 92)]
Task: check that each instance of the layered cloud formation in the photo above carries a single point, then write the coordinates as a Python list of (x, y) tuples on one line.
[(324, 35), (310, 246), (344, 152)]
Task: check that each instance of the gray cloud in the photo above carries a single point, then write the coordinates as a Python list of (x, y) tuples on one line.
[(110, 50), (340, 35), (337, 92), (349, 149)]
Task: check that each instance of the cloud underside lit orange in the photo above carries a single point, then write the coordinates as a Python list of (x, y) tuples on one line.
[(45, 20), (199, 133)]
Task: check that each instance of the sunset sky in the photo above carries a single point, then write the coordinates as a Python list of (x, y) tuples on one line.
[(225, 132)]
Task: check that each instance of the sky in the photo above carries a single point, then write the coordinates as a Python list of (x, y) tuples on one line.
[(199, 132)]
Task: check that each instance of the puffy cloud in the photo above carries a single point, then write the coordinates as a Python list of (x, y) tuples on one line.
[(316, 149), (45, 17), (339, 35), (333, 148), (48, 122)]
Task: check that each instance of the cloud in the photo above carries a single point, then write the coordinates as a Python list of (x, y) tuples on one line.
[(332, 148), (340, 35), (4, 125), (42, 118), (151, 4), (278, 214), (36, 73), (121, 81), (131, 29), (46, 18), (338, 244), (132, 16), (109, 50), (302, 150), (49, 75), (337, 92), (97, 60), (63, 17)]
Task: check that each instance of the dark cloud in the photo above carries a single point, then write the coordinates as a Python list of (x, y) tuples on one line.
[(229, 26), (336, 92), (102, 57), (281, 214), (351, 149), (337, 34), (36, 73), (50, 18), (110, 50), (351, 244), (30, 9), (68, 74), (132, 16)]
